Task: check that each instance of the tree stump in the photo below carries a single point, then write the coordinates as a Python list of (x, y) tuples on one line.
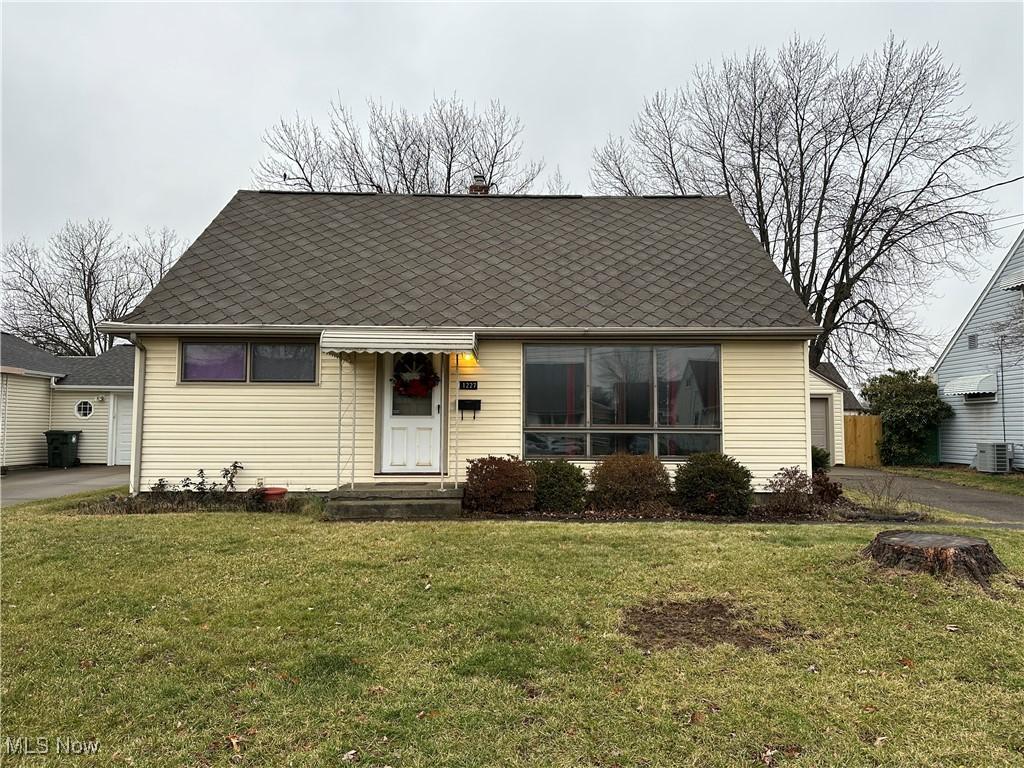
[(938, 554)]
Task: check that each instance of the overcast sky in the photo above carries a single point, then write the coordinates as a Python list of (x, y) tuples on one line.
[(152, 114)]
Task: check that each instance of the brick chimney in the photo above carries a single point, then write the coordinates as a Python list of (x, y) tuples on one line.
[(479, 186)]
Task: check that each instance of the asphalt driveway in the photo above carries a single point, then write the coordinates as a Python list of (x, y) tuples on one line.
[(31, 484), (997, 507)]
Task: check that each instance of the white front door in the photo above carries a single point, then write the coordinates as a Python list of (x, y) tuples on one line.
[(122, 429), (411, 414)]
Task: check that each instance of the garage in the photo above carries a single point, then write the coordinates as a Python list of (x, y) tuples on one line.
[(821, 417)]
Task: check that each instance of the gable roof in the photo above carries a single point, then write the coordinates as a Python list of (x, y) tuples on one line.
[(18, 353), (1018, 243), (113, 368), (482, 262), (828, 371)]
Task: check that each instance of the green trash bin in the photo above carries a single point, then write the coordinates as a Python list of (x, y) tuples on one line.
[(62, 447)]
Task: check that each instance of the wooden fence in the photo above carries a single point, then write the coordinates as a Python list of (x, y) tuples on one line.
[(862, 436)]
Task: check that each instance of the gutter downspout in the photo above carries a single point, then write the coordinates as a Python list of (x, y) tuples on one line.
[(138, 410)]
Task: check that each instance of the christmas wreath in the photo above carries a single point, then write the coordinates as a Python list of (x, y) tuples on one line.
[(414, 376)]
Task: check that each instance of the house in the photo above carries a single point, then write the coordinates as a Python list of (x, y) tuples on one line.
[(980, 373), (331, 340), (40, 391), (831, 401)]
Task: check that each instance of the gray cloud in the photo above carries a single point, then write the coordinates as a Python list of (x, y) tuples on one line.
[(151, 114)]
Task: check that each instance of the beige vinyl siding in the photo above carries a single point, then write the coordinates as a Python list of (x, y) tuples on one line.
[(287, 434), (819, 387), (497, 429), (92, 446), (284, 434), (765, 406), (25, 405)]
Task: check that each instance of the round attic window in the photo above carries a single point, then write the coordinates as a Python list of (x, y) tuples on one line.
[(83, 408)]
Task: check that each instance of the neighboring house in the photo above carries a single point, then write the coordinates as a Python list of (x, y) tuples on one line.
[(326, 340), (983, 384), (40, 391), (831, 400)]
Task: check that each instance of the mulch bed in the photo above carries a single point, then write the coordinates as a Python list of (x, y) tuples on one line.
[(843, 511), (704, 622)]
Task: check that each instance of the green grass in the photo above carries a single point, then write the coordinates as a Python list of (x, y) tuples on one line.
[(931, 514), (491, 643), (1012, 483)]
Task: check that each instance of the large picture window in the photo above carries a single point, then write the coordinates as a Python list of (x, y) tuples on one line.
[(591, 401)]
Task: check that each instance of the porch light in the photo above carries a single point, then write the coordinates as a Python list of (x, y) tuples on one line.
[(467, 358)]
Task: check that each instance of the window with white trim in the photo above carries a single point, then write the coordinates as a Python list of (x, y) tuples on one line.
[(83, 409), (595, 400)]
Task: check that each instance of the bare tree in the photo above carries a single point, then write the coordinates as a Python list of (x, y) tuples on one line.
[(87, 273), (154, 252), (399, 152), (1008, 337), (858, 179), (557, 184)]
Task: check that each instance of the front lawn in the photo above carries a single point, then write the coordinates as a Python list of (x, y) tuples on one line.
[(1012, 483), (268, 639)]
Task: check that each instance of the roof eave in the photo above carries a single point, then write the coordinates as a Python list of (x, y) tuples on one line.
[(124, 330), (14, 370)]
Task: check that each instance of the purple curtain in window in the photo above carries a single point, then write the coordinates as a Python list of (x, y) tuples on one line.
[(213, 361)]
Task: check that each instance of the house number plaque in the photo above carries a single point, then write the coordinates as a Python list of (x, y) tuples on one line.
[(467, 385)]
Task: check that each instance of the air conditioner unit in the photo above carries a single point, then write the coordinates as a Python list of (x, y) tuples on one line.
[(994, 457)]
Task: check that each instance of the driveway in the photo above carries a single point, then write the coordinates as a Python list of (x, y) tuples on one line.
[(30, 484), (997, 507)]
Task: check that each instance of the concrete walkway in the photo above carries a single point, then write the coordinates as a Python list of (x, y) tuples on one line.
[(40, 483), (997, 507)]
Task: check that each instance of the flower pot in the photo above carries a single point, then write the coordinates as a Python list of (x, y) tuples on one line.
[(274, 493)]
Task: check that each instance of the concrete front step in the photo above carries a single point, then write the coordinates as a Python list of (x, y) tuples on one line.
[(393, 508), (395, 491)]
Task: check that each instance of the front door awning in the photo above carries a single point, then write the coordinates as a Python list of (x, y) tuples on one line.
[(377, 339), (975, 384)]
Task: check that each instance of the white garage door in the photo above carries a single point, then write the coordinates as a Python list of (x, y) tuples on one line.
[(122, 429), (819, 423)]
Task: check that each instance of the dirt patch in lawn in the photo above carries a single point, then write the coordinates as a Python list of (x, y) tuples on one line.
[(705, 622)]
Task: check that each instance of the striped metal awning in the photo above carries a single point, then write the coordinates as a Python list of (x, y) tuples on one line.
[(975, 384), (379, 339), (1013, 281)]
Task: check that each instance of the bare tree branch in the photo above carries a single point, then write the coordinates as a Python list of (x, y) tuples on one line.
[(860, 180), (56, 297), (399, 152)]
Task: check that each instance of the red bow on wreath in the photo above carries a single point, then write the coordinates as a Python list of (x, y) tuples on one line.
[(415, 378)]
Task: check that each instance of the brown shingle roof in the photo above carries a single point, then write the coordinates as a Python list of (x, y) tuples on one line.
[(475, 261)]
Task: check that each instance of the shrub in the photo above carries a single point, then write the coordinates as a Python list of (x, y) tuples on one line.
[(631, 484), (713, 484), (499, 484), (911, 409), (790, 493), (821, 460), (561, 487), (826, 490)]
